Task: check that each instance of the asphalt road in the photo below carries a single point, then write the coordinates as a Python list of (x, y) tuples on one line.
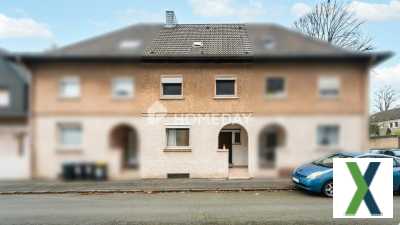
[(283, 207)]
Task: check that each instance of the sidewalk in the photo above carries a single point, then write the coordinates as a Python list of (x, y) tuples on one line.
[(147, 185)]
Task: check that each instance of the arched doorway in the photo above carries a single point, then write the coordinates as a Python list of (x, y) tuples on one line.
[(234, 138), (124, 138), (270, 139)]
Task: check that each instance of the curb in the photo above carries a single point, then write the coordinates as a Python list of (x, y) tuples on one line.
[(133, 191)]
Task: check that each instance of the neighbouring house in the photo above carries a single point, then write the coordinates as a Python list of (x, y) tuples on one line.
[(385, 129), (197, 100), (387, 122), (14, 135)]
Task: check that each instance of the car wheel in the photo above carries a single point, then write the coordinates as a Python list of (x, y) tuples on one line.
[(327, 189)]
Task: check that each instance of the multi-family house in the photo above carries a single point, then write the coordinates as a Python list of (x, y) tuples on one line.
[(14, 135), (197, 100)]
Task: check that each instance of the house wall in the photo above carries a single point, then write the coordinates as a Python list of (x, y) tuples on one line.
[(199, 87), (203, 160), (300, 112)]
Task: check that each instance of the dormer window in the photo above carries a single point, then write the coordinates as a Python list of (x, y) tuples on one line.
[(129, 44), (197, 44), (4, 97), (269, 43)]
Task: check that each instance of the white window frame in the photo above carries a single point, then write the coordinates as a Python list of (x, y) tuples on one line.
[(281, 95), (184, 148), (339, 83), (115, 80), (68, 79), (7, 102), (225, 77), (62, 146), (333, 146), (173, 79)]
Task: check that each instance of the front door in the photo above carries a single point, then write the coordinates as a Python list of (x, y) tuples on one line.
[(225, 139)]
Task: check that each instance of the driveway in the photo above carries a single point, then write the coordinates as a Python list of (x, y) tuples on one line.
[(279, 207)]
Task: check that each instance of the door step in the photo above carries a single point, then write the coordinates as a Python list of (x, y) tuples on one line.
[(238, 173)]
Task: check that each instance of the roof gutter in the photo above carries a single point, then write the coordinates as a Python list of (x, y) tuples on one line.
[(372, 58)]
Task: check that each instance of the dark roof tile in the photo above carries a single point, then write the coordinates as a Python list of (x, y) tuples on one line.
[(392, 114)]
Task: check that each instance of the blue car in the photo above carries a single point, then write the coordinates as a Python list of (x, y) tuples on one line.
[(317, 176)]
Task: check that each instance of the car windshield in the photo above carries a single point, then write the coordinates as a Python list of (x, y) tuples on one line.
[(328, 161)]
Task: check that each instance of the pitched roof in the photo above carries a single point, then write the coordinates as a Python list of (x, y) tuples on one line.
[(12, 69), (215, 40), (112, 44), (247, 41), (391, 114)]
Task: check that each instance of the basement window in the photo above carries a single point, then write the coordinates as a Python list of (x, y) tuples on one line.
[(178, 175)]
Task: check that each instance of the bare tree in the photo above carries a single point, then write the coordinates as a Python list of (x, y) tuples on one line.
[(385, 98), (331, 21)]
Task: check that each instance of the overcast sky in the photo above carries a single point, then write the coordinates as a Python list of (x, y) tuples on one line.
[(31, 25)]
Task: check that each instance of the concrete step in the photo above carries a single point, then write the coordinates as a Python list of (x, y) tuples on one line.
[(239, 173)]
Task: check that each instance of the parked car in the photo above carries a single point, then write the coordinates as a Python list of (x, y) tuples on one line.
[(318, 176), (391, 152)]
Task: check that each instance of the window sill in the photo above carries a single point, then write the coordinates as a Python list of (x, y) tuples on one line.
[(120, 98), (329, 98), (61, 98), (171, 97), (334, 148), (223, 150), (178, 149), (275, 96), (225, 97), (68, 150)]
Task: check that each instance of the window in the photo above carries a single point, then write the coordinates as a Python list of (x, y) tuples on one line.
[(236, 137), (225, 87), (70, 87), (177, 137), (396, 124), (328, 135), (275, 86), (4, 97), (171, 86), (122, 87), (391, 125), (70, 135), (329, 87)]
